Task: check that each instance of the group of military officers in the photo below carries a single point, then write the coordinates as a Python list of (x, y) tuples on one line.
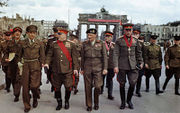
[(63, 59)]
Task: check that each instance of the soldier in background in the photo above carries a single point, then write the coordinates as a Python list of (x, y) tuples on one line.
[(109, 48), (78, 44), (137, 34), (93, 66), (51, 39), (33, 55), (127, 56), (172, 63), (153, 62), (13, 69), (5, 64), (63, 56)]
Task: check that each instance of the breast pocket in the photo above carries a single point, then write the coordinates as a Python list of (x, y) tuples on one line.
[(87, 52), (98, 51)]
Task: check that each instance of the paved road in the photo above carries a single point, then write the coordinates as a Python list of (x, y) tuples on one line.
[(148, 103)]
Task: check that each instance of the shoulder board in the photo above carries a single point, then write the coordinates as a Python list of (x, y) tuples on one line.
[(113, 43), (121, 37), (71, 41)]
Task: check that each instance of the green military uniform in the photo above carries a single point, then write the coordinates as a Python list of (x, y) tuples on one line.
[(93, 62), (32, 52), (153, 57), (172, 59)]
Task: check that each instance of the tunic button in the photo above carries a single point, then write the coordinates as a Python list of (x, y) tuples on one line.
[(61, 60)]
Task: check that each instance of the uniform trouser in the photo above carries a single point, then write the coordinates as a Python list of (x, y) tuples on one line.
[(31, 78), (92, 79), (156, 74), (132, 78), (169, 74), (138, 85), (7, 77), (60, 79), (109, 81), (49, 74), (15, 78)]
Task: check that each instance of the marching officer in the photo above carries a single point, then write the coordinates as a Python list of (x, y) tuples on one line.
[(93, 66), (32, 56), (110, 74), (127, 56), (153, 62), (63, 56), (5, 64), (137, 34), (14, 50), (172, 63)]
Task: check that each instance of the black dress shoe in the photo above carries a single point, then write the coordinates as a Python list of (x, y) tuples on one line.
[(89, 109), (75, 91), (59, 106), (35, 103), (158, 92), (177, 93), (96, 107), (123, 105), (26, 110), (147, 90), (8, 90), (139, 94), (66, 105), (16, 99), (110, 97), (130, 105)]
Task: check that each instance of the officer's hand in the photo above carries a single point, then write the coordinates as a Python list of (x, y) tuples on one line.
[(7, 60), (46, 65), (146, 65), (116, 70), (104, 72), (167, 66), (76, 73), (82, 72)]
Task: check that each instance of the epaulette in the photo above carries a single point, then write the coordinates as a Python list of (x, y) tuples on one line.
[(113, 43), (70, 41)]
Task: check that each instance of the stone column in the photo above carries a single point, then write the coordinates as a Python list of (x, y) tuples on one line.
[(107, 27), (79, 31), (96, 27)]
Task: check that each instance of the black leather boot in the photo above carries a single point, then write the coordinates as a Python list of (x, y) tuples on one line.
[(158, 91), (177, 87), (59, 106), (123, 98), (67, 97), (129, 97)]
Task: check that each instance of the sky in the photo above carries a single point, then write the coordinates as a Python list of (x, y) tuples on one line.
[(154, 12)]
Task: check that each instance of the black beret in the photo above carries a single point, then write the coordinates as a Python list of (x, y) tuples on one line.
[(17, 29), (154, 37), (31, 28), (92, 30), (177, 38)]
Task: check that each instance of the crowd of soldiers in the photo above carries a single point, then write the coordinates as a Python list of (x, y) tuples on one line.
[(65, 59)]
